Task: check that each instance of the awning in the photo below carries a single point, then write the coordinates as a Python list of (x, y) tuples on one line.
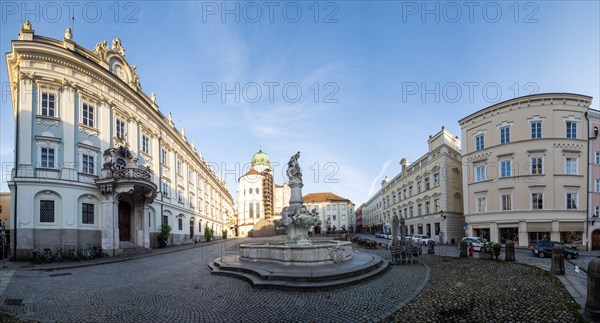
[(539, 226), (571, 226)]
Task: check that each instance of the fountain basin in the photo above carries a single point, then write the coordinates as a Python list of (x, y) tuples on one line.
[(315, 253)]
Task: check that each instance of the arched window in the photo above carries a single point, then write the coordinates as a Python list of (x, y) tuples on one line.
[(257, 210), (251, 210)]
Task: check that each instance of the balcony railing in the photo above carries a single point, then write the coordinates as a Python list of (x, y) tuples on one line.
[(133, 173)]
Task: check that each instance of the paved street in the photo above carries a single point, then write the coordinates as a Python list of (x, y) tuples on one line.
[(179, 287)]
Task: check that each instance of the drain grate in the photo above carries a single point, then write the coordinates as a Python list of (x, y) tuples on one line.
[(60, 274), (13, 301)]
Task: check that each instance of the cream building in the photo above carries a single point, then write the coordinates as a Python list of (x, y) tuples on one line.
[(258, 197), (97, 162), (5, 209), (334, 211), (428, 192), (372, 214), (525, 169)]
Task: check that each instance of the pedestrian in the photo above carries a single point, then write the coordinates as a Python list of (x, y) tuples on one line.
[(471, 250)]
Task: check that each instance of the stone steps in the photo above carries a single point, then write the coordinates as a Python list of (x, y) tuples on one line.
[(305, 278)]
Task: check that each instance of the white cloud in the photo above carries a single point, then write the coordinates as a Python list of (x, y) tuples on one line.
[(384, 168)]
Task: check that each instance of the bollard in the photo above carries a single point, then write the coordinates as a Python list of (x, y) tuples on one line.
[(592, 304), (430, 248), (463, 249), (509, 253), (558, 260)]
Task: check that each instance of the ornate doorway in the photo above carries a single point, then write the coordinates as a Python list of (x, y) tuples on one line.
[(124, 221)]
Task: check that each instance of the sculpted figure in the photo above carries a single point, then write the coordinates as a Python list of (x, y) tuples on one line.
[(293, 171)]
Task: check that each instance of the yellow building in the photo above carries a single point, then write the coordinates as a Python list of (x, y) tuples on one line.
[(5, 209), (525, 170)]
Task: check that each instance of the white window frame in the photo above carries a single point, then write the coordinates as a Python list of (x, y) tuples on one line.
[(41, 107), (509, 196), (575, 199), (531, 200), (505, 135), (476, 173), (596, 211), (85, 121), (146, 144), (531, 163), (597, 185), (480, 145), (179, 166), (569, 170), (508, 172), (165, 188), (531, 129), (597, 161), (51, 143), (573, 123), (481, 204), (164, 156), (120, 122), (436, 179)]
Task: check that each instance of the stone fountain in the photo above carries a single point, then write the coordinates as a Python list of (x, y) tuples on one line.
[(299, 263)]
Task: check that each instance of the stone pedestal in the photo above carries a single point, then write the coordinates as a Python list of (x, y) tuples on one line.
[(430, 248), (558, 260), (462, 246), (509, 254), (592, 304)]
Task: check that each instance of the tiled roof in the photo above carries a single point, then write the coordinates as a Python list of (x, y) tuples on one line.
[(323, 197)]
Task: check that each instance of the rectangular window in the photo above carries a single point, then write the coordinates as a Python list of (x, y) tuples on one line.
[(333, 206), (48, 158), (87, 213), (87, 164), (328, 207), (179, 167), (436, 227), (120, 128), (479, 144), (536, 130), (165, 189), (481, 204), (598, 157), (165, 219), (571, 129), (411, 211), (436, 205), (572, 201), (597, 185), (87, 115), (505, 135), (436, 179), (597, 211), (343, 206), (48, 104), (46, 211), (426, 183), (427, 207), (536, 165), (179, 196), (571, 166), (505, 168), (164, 157), (145, 144), (410, 191), (537, 201), (418, 187), (419, 210), (334, 217), (480, 173), (506, 200), (180, 224)]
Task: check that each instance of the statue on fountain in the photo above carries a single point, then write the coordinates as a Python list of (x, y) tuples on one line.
[(296, 218)]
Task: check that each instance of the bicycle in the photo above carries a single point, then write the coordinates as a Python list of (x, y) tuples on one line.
[(36, 257), (73, 253)]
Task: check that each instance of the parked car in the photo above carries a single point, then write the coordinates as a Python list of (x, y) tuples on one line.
[(544, 249), (477, 242), (421, 239), (378, 234)]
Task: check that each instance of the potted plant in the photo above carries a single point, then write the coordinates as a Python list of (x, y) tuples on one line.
[(224, 232), (496, 249), (163, 236)]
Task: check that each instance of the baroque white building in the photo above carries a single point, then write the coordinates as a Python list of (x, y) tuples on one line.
[(335, 212), (258, 197), (96, 162)]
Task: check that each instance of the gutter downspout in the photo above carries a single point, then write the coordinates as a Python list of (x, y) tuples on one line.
[(17, 171)]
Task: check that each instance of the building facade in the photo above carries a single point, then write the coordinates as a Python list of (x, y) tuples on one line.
[(335, 212), (525, 169), (97, 162), (359, 218), (428, 192), (258, 197), (373, 214), (5, 209), (593, 206)]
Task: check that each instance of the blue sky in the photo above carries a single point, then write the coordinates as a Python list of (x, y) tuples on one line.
[(370, 60)]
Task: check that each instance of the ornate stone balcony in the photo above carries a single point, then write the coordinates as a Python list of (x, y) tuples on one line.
[(133, 173)]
